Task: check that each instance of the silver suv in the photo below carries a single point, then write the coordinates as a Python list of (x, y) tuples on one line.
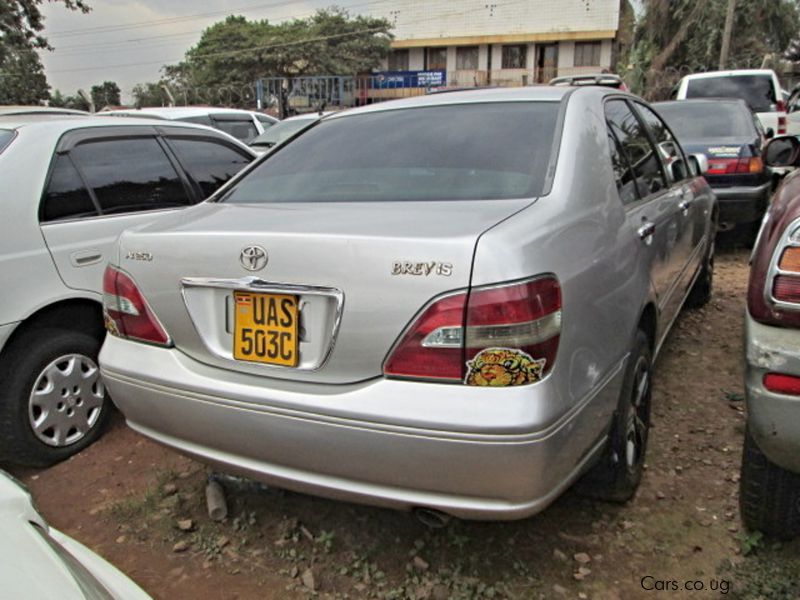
[(449, 303), (71, 185)]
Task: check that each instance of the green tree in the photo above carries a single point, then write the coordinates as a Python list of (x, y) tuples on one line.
[(105, 94), (675, 37), (237, 51), (148, 94), (22, 79), (58, 100)]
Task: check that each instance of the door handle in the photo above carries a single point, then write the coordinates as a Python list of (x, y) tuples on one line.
[(684, 206), (647, 230), (84, 258)]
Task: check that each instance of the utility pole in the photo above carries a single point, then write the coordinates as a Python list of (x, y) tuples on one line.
[(726, 35)]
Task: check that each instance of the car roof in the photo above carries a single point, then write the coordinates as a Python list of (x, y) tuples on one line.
[(695, 101), (542, 93), (731, 73), (19, 109), (178, 112)]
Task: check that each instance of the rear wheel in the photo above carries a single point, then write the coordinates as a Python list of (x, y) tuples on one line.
[(52, 401), (769, 496), (618, 474)]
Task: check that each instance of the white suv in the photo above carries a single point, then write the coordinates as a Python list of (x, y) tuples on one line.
[(760, 88), (72, 185)]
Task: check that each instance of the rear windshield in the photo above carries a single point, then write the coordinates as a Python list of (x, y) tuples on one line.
[(455, 152), (700, 121), (757, 90), (6, 136)]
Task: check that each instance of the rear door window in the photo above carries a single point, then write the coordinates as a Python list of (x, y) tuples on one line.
[(757, 90), (623, 175), (66, 196), (669, 148), (208, 162), (637, 147), (129, 175)]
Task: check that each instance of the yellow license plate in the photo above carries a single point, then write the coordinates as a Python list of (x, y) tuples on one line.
[(265, 328)]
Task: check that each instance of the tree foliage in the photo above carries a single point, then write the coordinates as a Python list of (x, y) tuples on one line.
[(148, 94), (675, 37), (236, 51), (105, 94), (22, 78)]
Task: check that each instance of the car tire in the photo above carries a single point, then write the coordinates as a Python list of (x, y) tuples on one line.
[(703, 287), (50, 371), (769, 496), (617, 475)]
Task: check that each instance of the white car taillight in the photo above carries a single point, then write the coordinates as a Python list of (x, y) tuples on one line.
[(126, 312)]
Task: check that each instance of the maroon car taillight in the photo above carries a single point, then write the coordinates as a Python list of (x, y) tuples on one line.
[(781, 108), (773, 295), (126, 312), (519, 321), (782, 384)]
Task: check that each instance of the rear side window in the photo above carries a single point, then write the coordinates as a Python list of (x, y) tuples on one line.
[(457, 152), (208, 162), (265, 121), (129, 175), (636, 146), (757, 90), (5, 138), (66, 197), (200, 120), (242, 129)]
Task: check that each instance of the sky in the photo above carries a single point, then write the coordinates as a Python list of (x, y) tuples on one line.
[(128, 41)]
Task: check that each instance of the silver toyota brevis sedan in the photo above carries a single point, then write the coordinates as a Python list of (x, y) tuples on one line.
[(449, 303)]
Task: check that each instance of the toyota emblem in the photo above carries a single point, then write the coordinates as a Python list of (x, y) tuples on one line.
[(253, 258)]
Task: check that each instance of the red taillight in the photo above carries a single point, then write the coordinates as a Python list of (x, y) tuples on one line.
[(781, 108), (513, 327), (782, 384), (126, 311), (786, 288), (735, 166)]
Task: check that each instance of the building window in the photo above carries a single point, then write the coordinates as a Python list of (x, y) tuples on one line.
[(467, 58), (437, 59), (398, 60), (515, 57), (587, 54)]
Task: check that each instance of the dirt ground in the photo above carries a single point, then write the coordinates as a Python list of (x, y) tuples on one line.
[(143, 508)]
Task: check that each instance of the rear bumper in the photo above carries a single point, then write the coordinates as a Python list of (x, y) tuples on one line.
[(742, 204), (773, 419), (248, 430)]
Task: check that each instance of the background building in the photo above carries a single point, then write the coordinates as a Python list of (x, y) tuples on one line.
[(496, 42)]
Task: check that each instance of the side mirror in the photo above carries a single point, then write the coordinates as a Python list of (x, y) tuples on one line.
[(678, 170), (770, 133), (698, 163), (782, 151)]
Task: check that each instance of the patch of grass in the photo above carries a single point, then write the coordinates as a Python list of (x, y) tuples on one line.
[(771, 573)]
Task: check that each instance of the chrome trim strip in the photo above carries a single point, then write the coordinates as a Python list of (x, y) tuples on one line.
[(774, 270), (256, 284)]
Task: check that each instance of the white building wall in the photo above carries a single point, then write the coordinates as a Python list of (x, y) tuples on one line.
[(428, 19), (416, 59)]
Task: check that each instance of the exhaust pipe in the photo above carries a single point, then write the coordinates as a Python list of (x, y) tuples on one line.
[(431, 518)]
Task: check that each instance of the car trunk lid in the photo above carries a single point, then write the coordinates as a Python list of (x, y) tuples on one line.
[(359, 272)]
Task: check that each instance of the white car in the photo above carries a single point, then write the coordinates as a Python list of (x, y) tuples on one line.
[(760, 88), (244, 125), (39, 562), (70, 187), (18, 110)]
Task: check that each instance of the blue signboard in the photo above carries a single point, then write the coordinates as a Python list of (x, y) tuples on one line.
[(410, 79)]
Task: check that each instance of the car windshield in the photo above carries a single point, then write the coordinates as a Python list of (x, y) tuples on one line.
[(707, 120), (6, 135), (454, 152), (281, 131), (757, 90)]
